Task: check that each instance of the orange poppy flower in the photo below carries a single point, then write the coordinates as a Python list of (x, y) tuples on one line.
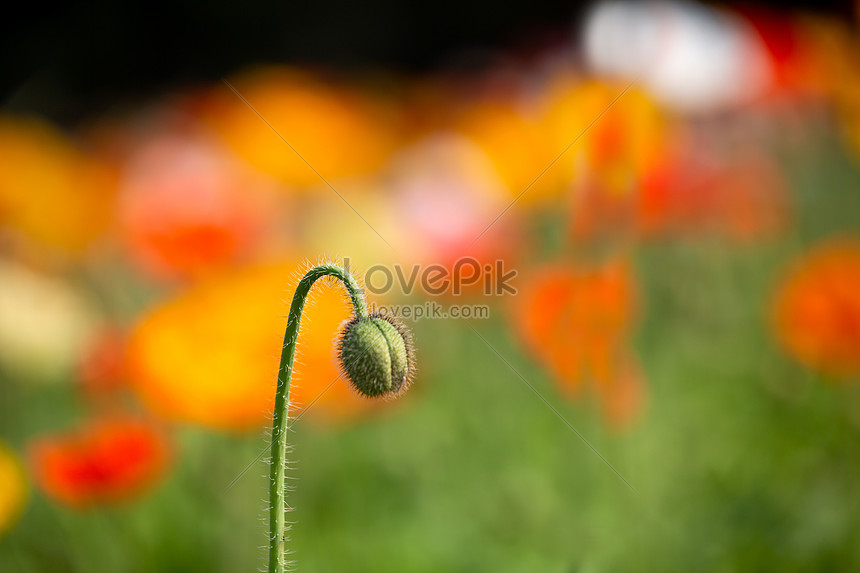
[(210, 356), (577, 321), (50, 191), (107, 460), (337, 130), (13, 489), (816, 309)]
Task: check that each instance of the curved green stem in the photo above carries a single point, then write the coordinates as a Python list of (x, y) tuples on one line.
[(277, 499)]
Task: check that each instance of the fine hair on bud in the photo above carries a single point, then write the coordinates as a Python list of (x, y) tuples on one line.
[(376, 355)]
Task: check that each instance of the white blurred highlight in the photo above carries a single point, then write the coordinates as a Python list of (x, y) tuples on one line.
[(692, 57)]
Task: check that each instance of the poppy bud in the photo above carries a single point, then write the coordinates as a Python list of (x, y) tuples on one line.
[(376, 355)]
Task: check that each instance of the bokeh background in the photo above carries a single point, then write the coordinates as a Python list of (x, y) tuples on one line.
[(677, 185)]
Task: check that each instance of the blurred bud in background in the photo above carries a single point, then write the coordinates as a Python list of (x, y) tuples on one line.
[(106, 460)]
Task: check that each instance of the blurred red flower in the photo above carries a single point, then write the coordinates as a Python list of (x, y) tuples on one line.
[(107, 460), (816, 309), (742, 197), (187, 207), (694, 189), (576, 320)]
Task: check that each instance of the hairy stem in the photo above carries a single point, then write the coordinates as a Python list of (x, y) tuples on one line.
[(277, 499)]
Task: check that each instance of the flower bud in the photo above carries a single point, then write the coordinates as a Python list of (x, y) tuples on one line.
[(376, 355)]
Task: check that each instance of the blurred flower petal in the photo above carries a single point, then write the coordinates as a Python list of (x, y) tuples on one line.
[(817, 308), (107, 460), (576, 320), (51, 191), (340, 132)]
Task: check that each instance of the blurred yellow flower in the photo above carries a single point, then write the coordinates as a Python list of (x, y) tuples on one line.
[(50, 191), (211, 355), (13, 490), (340, 132)]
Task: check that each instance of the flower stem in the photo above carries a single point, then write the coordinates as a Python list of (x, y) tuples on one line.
[(277, 499)]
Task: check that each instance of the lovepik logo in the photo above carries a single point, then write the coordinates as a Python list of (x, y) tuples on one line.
[(436, 279)]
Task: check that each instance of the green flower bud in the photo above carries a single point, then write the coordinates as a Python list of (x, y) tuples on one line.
[(376, 355)]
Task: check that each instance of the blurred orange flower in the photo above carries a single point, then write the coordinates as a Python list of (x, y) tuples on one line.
[(107, 460), (13, 489), (339, 131), (516, 148), (816, 309), (211, 355), (617, 143), (186, 207), (50, 191), (577, 320)]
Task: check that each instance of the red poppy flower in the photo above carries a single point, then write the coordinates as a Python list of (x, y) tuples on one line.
[(107, 460), (816, 309), (576, 321)]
